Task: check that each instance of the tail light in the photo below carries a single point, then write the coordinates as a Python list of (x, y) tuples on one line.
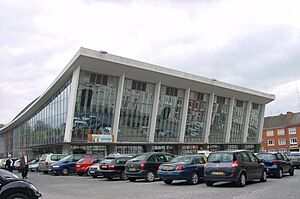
[(276, 162), (235, 164), (143, 165), (111, 166), (179, 168), (160, 167)]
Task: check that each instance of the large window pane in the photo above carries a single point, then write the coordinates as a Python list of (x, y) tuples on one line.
[(238, 121)]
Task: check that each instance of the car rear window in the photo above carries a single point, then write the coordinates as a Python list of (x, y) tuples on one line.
[(108, 161), (221, 158), (182, 159), (266, 156)]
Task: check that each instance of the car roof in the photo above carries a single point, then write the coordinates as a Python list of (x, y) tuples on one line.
[(231, 151)]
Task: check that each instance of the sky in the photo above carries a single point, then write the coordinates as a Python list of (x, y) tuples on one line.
[(254, 44)]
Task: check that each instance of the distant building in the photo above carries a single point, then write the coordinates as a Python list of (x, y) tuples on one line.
[(281, 133), (102, 103), (1, 144)]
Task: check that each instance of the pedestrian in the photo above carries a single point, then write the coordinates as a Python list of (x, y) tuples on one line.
[(24, 166), (9, 164)]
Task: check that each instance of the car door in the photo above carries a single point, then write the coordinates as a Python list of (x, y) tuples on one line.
[(152, 163), (199, 166), (257, 168), (284, 162), (245, 163)]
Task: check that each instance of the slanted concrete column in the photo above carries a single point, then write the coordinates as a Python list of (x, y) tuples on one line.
[(71, 105), (261, 125), (209, 115), (115, 127), (184, 114), (247, 120), (154, 112), (229, 121)]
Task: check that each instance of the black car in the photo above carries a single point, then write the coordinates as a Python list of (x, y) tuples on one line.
[(12, 187), (276, 163), (295, 158), (145, 166), (188, 167), (237, 166), (113, 167)]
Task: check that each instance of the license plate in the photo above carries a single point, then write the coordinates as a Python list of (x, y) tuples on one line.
[(104, 167), (168, 167), (132, 169), (218, 173)]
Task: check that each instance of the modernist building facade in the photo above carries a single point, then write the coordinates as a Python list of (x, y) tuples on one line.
[(281, 133), (102, 103)]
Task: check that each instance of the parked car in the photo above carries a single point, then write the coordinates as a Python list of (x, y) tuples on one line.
[(33, 165), (17, 164), (114, 166), (47, 159), (295, 158), (66, 165), (94, 170), (188, 167), (12, 187), (83, 165), (276, 163), (2, 163), (145, 166), (239, 166)]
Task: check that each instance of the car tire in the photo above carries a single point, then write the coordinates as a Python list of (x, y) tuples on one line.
[(194, 179), (242, 180), (45, 172), (150, 176), (279, 174), (132, 179), (209, 183), (17, 196), (110, 178), (65, 172), (291, 172), (95, 176), (80, 173), (263, 176), (168, 181), (123, 176)]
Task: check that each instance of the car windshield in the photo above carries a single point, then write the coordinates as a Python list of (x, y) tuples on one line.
[(65, 159), (184, 159), (43, 157), (139, 158), (266, 156), (220, 158)]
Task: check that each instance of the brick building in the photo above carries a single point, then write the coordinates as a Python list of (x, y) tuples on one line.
[(281, 133)]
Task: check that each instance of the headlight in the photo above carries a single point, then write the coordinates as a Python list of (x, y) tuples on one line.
[(55, 166)]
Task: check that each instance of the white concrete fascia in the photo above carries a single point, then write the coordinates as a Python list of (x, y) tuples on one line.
[(154, 112), (208, 120), (247, 120), (229, 120), (184, 114)]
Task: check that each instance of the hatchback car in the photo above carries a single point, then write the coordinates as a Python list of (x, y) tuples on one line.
[(188, 167), (145, 166), (295, 158), (276, 163), (83, 165), (237, 166), (47, 159), (65, 165), (12, 187), (114, 166)]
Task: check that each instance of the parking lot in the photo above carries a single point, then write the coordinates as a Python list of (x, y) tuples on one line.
[(73, 187)]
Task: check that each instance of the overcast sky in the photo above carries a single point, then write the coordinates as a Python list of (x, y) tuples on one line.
[(255, 44)]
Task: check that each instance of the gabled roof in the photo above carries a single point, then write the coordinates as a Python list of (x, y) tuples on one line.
[(282, 120)]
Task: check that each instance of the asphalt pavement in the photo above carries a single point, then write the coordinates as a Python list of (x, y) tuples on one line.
[(75, 187)]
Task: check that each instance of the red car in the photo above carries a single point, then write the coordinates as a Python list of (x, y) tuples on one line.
[(83, 165)]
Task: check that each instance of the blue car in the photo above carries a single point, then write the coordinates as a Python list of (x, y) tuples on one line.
[(65, 165), (188, 167)]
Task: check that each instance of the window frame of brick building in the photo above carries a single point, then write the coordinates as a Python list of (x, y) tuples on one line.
[(280, 132), (271, 144), (281, 141), (294, 138), (292, 131), (270, 133)]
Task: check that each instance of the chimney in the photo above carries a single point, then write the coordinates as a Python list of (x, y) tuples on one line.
[(289, 115)]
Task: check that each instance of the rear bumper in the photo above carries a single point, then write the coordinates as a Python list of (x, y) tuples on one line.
[(94, 173), (136, 174), (110, 173), (174, 175), (272, 171), (233, 177)]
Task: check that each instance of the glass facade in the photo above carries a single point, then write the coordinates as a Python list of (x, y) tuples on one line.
[(196, 117), (95, 106), (136, 111), (169, 114), (46, 126), (219, 120), (238, 121), (254, 123)]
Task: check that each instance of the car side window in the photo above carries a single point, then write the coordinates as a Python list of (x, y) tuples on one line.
[(244, 157), (121, 161), (161, 158), (199, 160), (54, 158), (285, 157), (279, 156), (168, 158), (253, 158), (77, 157), (152, 158)]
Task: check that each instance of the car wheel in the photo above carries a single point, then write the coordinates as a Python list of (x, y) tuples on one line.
[(264, 176), (150, 176), (242, 180), (65, 171), (292, 171), (279, 174), (80, 173), (94, 176), (17, 196), (123, 176), (132, 179), (194, 179), (209, 183), (110, 178), (45, 172), (168, 181)]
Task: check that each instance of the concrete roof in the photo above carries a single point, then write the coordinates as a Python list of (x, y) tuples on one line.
[(98, 61)]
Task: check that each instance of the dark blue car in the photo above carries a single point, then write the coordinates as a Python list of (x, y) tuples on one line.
[(188, 167), (65, 165)]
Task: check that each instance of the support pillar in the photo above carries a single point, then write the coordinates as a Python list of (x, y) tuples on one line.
[(247, 120), (184, 114), (229, 121), (209, 115), (154, 112)]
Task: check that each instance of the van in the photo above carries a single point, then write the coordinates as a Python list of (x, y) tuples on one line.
[(47, 159)]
